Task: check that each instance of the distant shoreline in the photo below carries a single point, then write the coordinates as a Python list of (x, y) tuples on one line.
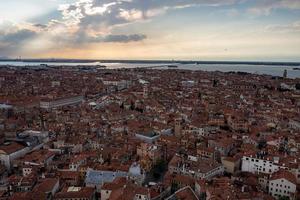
[(152, 62)]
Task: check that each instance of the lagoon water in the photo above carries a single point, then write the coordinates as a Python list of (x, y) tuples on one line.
[(273, 70)]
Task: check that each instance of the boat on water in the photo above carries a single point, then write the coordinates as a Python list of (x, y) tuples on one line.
[(296, 68)]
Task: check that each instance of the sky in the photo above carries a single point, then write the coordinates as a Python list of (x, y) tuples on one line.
[(241, 30)]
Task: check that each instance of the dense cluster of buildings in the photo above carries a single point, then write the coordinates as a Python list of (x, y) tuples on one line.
[(147, 134)]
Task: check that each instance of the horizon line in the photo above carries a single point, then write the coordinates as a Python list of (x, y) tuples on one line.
[(183, 61)]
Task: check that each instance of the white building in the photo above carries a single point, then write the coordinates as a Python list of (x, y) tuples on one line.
[(119, 84), (188, 83), (256, 165), (55, 103), (27, 170), (10, 151), (282, 184), (269, 164)]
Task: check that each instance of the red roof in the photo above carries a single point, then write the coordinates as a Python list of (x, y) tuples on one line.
[(85, 192), (285, 175), (186, 193), (11, 147)]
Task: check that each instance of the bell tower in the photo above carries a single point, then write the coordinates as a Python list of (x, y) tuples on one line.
[(178, 127), (146, 91)]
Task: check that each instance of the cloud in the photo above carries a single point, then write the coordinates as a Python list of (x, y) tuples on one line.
[(86, 21), (294, 27), (19, 36), (124, 38), (131, 15), (94, 21), (265, 7), (10, 42), (41, 26), (83, 38), (94, 16)]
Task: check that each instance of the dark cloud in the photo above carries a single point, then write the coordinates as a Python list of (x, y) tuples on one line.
[(124, 38), (41, 26), (10, 42), (83, 38), (18, 36)]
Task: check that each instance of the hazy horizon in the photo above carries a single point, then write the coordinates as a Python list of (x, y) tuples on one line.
[(46, 59), (200, 30)]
